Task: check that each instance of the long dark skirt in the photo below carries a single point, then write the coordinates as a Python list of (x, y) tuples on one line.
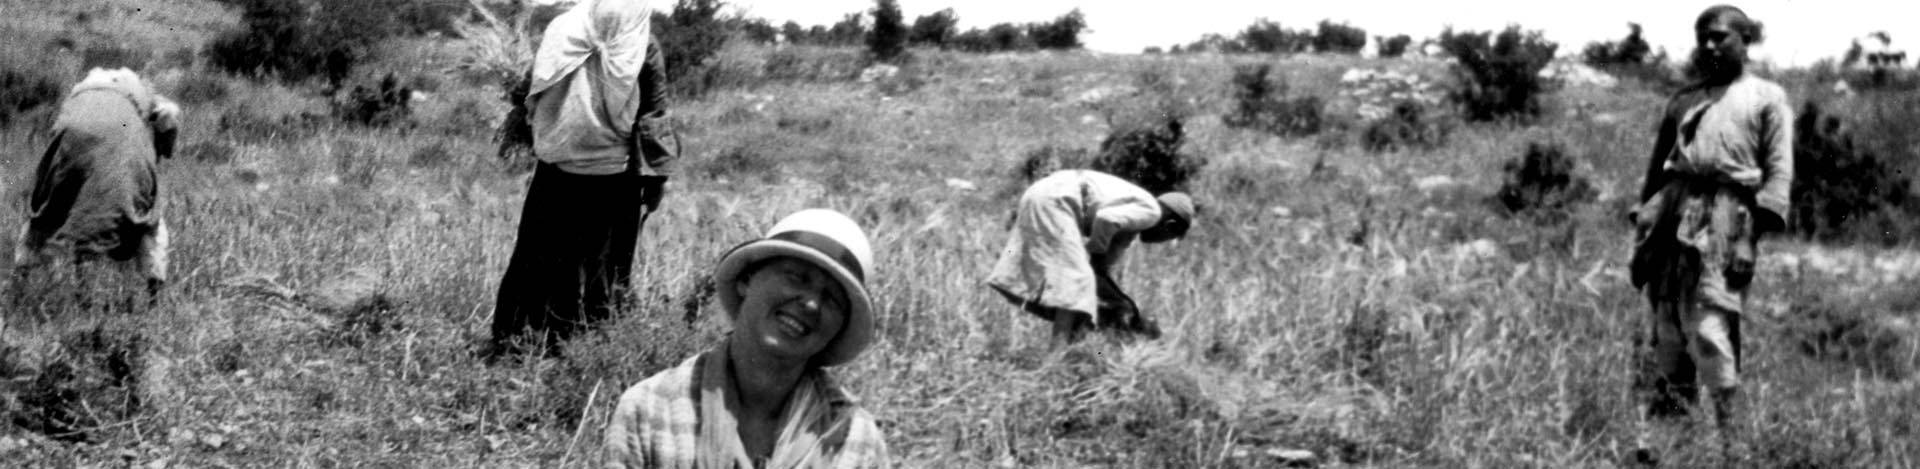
[(572, 263)]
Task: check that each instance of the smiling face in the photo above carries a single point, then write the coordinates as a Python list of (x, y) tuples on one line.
[(1720, 46), (790, 308)]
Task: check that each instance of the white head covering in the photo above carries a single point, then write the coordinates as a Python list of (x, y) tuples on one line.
[(615, 31)]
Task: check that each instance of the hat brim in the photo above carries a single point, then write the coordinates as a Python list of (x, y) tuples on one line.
[(854, 336)]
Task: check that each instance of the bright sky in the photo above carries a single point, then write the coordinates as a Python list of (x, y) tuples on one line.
[(1799, 31)]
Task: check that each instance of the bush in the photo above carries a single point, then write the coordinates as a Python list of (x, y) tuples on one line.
[(888, 40), (688, 37), (1261, 104), (1264, 36), (1062, 33), (1630, 50), (1499, 75), (383, 105), (1410, 126), (1149, 156), (1046, 160), (935, 29), (1339, 38), (1541, 184), (849, 31), (1632, 57), (295, 40), (756, 30), (26, 84), (1842, 189), (1395, 46)]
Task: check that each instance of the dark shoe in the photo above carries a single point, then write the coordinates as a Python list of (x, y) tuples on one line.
[(1673, 401), (1643, 457)]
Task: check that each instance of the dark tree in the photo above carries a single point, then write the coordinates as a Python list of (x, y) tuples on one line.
[(888, 39), (1393, 46), (935, 29), (1339, 38), (1062, 33)]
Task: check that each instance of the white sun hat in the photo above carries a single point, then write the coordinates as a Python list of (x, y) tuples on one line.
[(827, 239)]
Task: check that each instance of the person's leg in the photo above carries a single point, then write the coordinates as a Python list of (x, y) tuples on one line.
[(152, 261), (1068, 328), (533, 271), (1710, 334), (28, 254), (1675, 389)]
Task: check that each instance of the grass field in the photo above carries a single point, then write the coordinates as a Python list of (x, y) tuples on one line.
[(1325, 301)]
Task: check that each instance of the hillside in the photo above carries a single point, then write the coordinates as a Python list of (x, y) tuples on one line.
[(1374, 308)]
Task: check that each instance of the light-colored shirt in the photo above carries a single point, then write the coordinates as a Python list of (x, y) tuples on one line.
[(678, 419), (586, 93), (1741, 133)]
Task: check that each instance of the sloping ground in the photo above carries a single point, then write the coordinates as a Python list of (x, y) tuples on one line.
[(1382, 319)]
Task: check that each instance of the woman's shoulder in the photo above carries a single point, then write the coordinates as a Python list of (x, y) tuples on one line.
[(666, 385)]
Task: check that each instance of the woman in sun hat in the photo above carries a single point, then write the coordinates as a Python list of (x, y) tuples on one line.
[(762, 397), (1070, 232)]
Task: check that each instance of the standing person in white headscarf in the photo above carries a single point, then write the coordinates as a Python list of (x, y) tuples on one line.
[(597, 89)]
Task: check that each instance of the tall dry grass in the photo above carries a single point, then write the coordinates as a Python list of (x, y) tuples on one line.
[(1324, 302)]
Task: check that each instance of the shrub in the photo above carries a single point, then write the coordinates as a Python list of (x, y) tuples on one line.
[(296, 40), (1499, 74), (1261, 104), (1843, 189), (1339, 38), (1410, 126), (1046, 160), (420, 17), (688, 37), (1395, 46), (1265, 36), (1216, 43), (26, 84), (1541, 184), (1006, 37), (935, 29), (1062, 33), (888, 40), (757, 30), (383, 105), (1149, 155), (1632, 57), (1866, 331), (1630, 50), (849, 31)]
